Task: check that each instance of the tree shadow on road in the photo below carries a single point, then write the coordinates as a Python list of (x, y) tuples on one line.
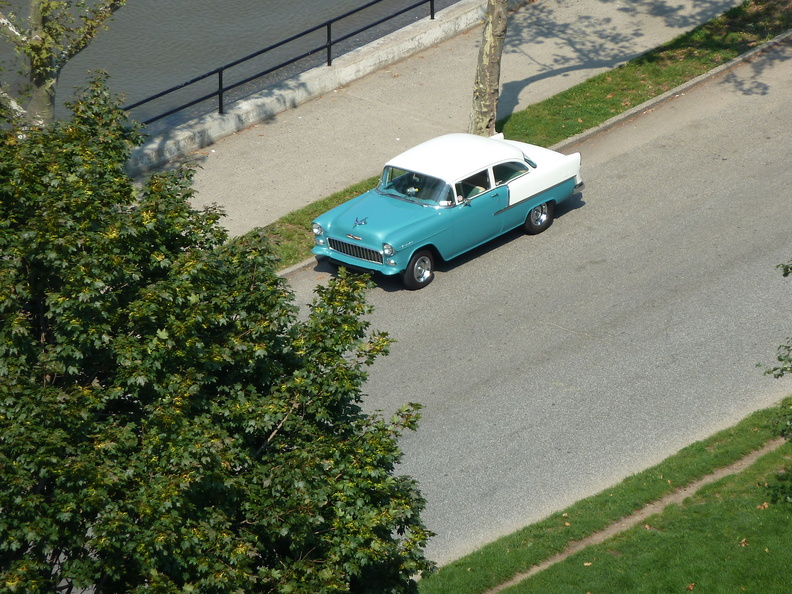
[(748, 82)]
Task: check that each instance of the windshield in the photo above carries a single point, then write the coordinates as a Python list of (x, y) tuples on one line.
[(415, 187)]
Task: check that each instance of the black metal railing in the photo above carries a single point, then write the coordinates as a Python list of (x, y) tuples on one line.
[(223, 89)]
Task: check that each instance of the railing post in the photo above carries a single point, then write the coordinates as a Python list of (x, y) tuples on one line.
[(220, 71), (329, 43), (220, 91)]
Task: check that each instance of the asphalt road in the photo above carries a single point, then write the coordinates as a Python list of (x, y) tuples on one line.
[(551, 367)]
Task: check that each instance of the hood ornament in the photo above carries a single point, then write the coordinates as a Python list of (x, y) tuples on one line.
[(360, 222)]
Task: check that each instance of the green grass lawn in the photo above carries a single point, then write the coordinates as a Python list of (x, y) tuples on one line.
[(726, 536), (590, 103), (608, 94), (291, 235)]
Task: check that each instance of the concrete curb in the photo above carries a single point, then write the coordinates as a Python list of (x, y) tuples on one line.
[(345, 69), (631, 114)]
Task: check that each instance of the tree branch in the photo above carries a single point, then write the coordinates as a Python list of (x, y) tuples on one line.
[(89, 30), (10, 103), (283, 420), (13, 34)]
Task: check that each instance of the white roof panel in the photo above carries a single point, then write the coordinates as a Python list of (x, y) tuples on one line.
[(455, 156)]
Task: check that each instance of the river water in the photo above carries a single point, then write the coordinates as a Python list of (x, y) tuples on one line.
[(153, 45)]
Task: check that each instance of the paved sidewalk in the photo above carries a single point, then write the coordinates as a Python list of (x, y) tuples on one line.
[(343, 137)]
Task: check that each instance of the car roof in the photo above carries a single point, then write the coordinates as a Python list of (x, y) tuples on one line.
[(455, 156)]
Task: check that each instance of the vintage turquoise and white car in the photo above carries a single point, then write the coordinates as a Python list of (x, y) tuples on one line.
[(443, 198)]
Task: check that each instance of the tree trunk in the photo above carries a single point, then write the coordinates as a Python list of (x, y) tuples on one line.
[(486, 88), (41, 107), (44, 72)]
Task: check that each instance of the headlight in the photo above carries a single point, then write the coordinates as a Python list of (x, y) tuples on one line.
[(317, 229), (387, 249)]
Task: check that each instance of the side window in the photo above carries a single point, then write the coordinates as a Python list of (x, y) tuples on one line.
[(447, 197), (505, 172), (473, 185)]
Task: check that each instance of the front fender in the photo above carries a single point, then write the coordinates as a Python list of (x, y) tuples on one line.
[(435, 231)]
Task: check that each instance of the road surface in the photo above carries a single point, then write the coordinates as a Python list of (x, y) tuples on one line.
[(553, 366)]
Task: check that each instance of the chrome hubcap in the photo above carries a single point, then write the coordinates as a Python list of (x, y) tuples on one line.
[(539, 215), (422, 269)]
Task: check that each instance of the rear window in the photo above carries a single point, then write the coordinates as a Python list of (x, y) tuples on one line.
[(505, 172)]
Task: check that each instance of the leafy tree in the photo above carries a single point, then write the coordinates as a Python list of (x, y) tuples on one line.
[(168, 423), (782, 489), (784, 355), (54, 32)]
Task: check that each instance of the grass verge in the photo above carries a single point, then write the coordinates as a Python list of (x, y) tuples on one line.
[(611, 93), (291, 235), (590, 103), (633, 557), (725, 538)]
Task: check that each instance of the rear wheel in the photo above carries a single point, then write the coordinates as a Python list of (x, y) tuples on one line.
[(539, 219), (420, 270)]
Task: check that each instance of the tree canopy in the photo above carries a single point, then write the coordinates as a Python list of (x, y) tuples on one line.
[(168, 422), (784, 355), (782, 488)]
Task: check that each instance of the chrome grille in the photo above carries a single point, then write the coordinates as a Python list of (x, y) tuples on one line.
[(356, 251)]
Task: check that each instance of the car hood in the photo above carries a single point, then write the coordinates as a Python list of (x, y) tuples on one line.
[(373, 218)]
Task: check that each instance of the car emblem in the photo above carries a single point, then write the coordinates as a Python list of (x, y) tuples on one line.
[(359, 222), (354, 237)]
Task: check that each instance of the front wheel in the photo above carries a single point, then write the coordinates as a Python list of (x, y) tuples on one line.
[(539, 219), (420, 270)]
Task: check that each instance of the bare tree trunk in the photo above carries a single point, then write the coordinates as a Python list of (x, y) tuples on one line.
[(44, 72), (41, 107), (486, 88)]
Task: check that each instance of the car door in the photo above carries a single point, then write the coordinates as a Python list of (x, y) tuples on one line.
[(475, 217), (519, 178)]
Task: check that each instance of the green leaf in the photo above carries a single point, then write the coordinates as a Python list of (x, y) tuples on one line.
[(167, 421)]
